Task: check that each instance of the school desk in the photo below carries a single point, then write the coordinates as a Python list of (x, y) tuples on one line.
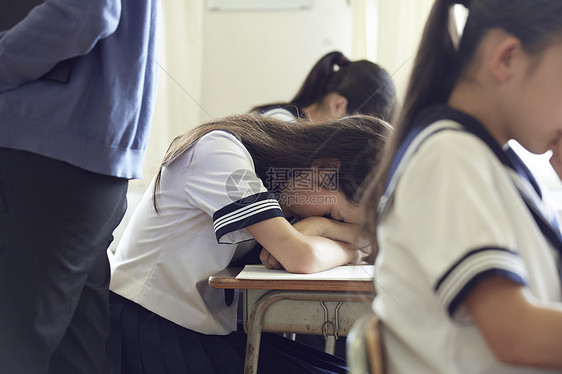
[(326, 307)]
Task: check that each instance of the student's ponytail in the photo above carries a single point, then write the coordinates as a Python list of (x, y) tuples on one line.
[(435, 71), (368, 87), (314, 86), (436, 65)]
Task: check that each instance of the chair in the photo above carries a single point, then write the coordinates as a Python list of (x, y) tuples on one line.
[(364, 347)]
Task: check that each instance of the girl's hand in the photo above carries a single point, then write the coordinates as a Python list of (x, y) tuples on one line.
[(336, 230), (556, 158), (269, 261), (312, 226), (298, 252)]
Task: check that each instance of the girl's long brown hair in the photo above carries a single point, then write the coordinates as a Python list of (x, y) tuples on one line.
[(355, 141)]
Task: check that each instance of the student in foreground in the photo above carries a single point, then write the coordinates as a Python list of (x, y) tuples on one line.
[(220, 186), (467, 270)]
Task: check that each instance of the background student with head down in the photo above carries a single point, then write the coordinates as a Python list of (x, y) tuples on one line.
[(336, 87)]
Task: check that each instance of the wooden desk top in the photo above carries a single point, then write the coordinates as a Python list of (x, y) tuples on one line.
[(227, 279)]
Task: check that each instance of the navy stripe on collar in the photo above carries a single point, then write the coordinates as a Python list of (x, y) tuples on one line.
[(506, 155), (245, 212)]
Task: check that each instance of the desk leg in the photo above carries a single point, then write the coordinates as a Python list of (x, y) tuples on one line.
[(252, 348), (255, 327), (255, 321)]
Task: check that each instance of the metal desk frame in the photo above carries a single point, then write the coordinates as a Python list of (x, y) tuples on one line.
[(261, 298)]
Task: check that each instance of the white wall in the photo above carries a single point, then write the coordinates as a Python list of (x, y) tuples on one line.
[(400, 25), (257, 57)]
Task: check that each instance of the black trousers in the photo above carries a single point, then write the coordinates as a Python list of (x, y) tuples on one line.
[(56, 223)]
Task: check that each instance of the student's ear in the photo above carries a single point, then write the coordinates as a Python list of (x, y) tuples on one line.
[(337, 105), (326, 163), (506, 58)]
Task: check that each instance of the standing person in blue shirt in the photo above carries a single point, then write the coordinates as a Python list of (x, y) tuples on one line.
[(468, 269), (336, 87), (67, 150)]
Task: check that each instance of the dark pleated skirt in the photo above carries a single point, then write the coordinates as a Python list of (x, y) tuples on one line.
[(142, 342)]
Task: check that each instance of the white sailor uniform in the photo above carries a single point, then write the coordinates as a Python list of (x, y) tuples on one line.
[(165, 316), (457, 209)]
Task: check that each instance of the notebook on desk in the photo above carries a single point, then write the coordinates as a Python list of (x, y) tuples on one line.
[(346, 272), (12, 12)]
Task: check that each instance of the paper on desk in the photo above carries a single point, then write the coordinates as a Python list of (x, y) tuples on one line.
[(346, 272)]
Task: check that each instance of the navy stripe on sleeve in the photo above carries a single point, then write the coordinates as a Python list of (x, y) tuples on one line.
[(453, 287), (245, 212)]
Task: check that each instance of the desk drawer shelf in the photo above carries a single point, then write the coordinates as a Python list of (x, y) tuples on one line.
[(306, 312)]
